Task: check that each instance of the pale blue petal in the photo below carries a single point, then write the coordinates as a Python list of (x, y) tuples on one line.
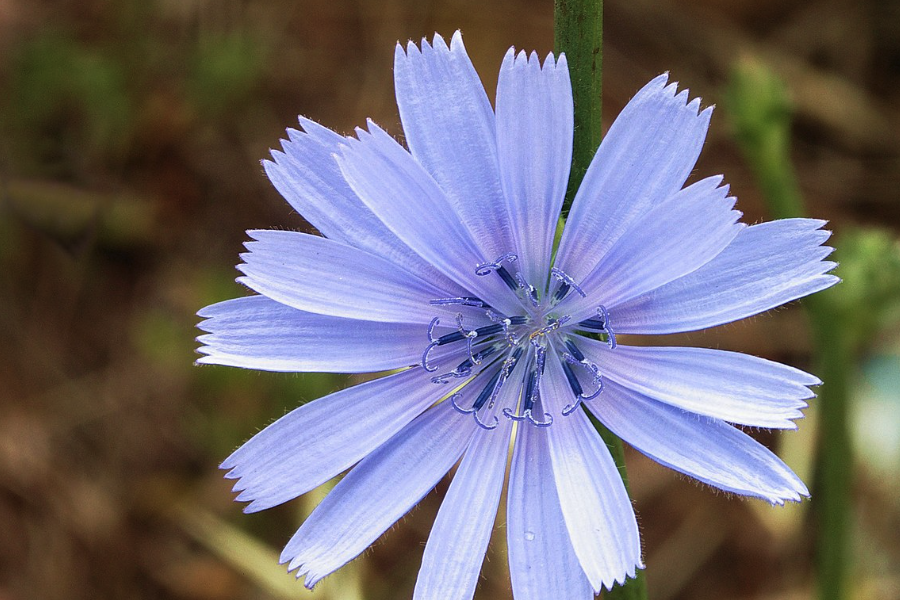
[(765, 266), (646, 157), (542, 562), (667, 242), (706, 449), (319, 275), (313, 443), (596, 507), (407, 199), (308, 177), (259, 333), (462, 528), (377, 492), (449, 127), (734, 387), (534, 139)]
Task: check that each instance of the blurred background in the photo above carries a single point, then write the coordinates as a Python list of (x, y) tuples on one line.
[(130, 139)]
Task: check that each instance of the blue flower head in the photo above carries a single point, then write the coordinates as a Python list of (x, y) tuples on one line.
[(438, 262)]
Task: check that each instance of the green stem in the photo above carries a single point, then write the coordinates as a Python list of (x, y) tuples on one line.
[(834, 460), (833, 357), (579, 33), (759, 107)]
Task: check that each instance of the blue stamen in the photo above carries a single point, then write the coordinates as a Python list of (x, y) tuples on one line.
[(572, 379), (561, 292), (508, 365), (463, 333), (481, 423), (479, 403), (602, 325), (611, 336), (530, 415), (486, 268), (532, 394), (540, 357), (449, 338), (464, 369), (488, 390), (505, 323), (570, 408), (529, 289), (527, 399), (593, 324), (490, 329), (507, 278), (425, 364), (433, 344), (469, 336), (462, 301), (573, 349), (465, 411), (512, 361), (566, 284), (575, 357), (431, 326), (509, 414)]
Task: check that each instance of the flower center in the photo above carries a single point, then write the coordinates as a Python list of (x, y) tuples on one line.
[(499, 348)]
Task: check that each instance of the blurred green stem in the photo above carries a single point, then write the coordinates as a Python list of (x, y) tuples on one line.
[(758, 104), (579, 33), (834, 461)]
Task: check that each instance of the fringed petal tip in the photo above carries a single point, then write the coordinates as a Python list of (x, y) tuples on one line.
[(795, 491), (736, 388), (211, 311), (521, 59), (243, 488), (207, 351), (781, 486), (296, 147), (706, 449), (300, 570), (426, 46), (622, 578), (660, 91), (767, 265), (361, 134), (249, 493), (437, 43), (233, 467)]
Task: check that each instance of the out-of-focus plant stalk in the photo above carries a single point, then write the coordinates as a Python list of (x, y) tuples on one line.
[(579, 33), (759, 107)]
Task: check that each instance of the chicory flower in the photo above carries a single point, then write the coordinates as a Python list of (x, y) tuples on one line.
[(439, 261)]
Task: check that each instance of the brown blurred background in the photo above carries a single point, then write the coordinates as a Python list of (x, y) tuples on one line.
[(129, 169)]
